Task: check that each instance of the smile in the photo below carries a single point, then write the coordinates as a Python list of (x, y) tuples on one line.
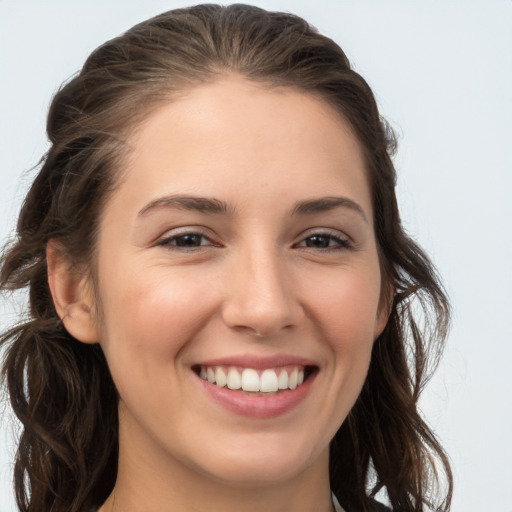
[(270, 380)]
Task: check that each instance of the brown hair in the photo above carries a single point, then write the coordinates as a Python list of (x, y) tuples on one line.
[(61, 389)]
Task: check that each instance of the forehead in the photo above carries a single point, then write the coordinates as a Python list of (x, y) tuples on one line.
[(237, 138)]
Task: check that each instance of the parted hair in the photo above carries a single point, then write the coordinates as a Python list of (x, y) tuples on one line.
[(61, 389)]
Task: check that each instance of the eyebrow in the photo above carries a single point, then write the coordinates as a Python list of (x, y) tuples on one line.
[(216, 206), (192, 203), (324, 204)]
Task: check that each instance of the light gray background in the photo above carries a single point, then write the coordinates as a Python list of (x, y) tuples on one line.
[(442, 73)]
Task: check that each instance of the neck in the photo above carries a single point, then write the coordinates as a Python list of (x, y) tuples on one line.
[(148, 485), (217, 498)]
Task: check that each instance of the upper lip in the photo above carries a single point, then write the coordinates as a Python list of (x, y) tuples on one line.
[(259, 362)]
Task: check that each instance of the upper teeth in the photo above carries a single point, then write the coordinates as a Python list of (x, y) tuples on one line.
[(249, 379)]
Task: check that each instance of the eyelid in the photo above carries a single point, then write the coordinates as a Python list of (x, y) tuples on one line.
[(187, 230), (336, 233), (346, 240)]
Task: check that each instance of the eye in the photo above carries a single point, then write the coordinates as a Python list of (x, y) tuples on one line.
[(186, 241), (324, 241)]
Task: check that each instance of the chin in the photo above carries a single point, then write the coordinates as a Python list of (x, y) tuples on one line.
[(255, 466), (247, 475)]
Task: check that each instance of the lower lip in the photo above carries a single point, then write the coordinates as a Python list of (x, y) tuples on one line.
[(258, 406)]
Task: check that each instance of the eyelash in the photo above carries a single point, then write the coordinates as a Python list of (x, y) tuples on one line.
[(172, 242), (340, 243)]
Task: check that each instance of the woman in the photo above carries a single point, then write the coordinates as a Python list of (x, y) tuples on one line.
[(224, 306)]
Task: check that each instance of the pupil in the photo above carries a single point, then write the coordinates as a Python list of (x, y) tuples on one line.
[(318, 241), (188, 241)]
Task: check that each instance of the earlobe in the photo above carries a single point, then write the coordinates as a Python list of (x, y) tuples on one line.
[(72, 296)]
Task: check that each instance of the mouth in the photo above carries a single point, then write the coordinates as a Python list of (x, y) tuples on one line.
[(256, 382)]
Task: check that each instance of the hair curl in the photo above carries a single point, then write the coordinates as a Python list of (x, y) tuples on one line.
[(67, 453)]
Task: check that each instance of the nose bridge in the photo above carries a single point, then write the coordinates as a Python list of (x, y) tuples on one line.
[(261, 298)]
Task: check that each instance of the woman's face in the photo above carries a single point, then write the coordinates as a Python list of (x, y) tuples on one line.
[(239, 246)]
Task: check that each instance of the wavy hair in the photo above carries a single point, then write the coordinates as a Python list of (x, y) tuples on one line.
[(61, 390)]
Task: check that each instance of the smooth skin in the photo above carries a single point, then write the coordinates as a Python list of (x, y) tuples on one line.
[(259, 263)]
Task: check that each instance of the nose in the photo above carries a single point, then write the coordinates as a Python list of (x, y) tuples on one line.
[(261, 298)]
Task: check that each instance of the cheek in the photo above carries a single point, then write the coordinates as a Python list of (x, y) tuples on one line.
[(346, 311), (150, 319), (347, 307)]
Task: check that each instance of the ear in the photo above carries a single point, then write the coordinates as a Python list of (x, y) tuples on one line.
[(384, 310), (72, 295)]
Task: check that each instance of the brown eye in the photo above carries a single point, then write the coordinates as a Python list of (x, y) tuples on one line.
[(318, 241), (324, 241), (186, 241)]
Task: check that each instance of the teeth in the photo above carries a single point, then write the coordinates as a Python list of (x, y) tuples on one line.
[(292, 379), (234, 380), (250, 380), (269, 381), (282, 382), (220, 377)]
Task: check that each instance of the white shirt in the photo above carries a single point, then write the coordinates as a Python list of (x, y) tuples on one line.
[(336, 504)]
